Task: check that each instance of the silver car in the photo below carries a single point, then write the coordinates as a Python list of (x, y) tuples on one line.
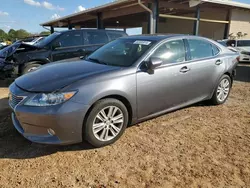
[(126, 81)]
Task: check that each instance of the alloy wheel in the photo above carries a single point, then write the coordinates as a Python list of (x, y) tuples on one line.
[(108, 123), (223, 90), (32, 69)]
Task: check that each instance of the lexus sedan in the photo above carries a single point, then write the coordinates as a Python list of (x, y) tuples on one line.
[(126, 81)]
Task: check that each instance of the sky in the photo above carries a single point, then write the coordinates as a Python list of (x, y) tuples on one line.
[(28, 14)]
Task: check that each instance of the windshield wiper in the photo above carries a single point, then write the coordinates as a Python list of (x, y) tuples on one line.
[(97, 61)]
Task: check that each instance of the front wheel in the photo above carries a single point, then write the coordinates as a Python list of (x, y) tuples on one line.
[(222, 91), (106, 122), (30, 68)]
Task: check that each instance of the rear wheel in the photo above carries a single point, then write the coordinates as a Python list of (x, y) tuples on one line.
[(30, 68), (222, 91), (106, 122)]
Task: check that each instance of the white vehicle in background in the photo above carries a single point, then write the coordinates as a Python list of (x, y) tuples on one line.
[(243, 47), (33, 40), (224, 43), (3, 43)]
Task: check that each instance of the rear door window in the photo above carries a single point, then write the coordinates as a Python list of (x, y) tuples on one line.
[(70, 39), (96, 37), (200, 49), (171, 52)]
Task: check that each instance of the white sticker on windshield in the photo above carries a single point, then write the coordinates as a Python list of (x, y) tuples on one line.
[(142, 42)]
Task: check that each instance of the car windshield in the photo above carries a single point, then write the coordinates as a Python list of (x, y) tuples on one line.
[(243, 43), (47, 40), (121, 52), (28, 40)]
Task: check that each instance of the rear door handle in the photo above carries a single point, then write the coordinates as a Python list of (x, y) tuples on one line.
[(184, 69), (218, 62)]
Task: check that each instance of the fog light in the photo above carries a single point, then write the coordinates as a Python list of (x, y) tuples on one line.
[(51, 132)]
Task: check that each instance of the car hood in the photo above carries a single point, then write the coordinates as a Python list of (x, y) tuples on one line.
[(247, 49), (10, 50), (55, 76)]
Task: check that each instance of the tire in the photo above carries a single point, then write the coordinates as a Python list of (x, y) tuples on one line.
[(30, 68), (217, 98), (97, 137)]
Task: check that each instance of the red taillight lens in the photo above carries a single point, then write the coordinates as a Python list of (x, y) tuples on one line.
[(238, 58)]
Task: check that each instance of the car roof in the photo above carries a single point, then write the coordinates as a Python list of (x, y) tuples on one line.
[(110, 30), (243, 40), (154, 37)]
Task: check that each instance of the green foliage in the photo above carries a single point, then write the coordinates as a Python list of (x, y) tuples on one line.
[(45, 33), (13, 35), (21, 33), (3, 35)]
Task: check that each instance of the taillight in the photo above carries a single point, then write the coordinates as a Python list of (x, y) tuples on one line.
[(238, 58)]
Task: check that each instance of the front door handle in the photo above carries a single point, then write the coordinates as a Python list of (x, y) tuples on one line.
[(184, 69), (218, 62)]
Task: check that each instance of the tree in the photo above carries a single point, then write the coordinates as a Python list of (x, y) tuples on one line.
[(18, 34), (12, 34), (45, 33), (21, 33), (3, 35)]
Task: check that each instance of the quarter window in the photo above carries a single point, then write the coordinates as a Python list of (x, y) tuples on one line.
[(171, 52), (114, 36), (216, 50), (96, 37), (200, 49)]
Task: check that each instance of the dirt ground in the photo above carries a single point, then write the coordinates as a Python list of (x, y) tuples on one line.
[(199, 146)]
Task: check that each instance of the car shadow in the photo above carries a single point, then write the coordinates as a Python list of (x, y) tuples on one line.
[(5, 83), (243, 73), (14, 146)]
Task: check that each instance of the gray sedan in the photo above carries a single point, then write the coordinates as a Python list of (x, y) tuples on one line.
[(126, 81)]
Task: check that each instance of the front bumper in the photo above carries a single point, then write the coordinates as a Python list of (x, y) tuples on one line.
[(32, 136), (34, 123), (244, 58)]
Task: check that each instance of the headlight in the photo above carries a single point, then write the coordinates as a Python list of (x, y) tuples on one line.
[(50, 99), (245, 53)]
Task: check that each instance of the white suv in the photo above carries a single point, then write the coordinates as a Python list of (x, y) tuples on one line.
[(243, 46)]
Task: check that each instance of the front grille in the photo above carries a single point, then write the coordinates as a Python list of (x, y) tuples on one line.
[(14, 100)]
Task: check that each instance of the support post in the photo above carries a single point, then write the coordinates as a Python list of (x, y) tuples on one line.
[(227, 26), (70, 26), (155, 16), (149, 20), (99, 21), (52, 29), (125, 30), (197, 21)]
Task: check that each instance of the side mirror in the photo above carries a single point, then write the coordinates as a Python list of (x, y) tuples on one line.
[(153, 63), (56, 45)]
